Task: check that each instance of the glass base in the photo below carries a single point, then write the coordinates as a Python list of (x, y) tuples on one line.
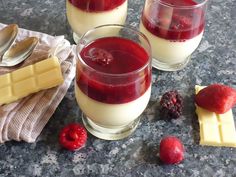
[(169, 67), (76, 37), (109, 133)]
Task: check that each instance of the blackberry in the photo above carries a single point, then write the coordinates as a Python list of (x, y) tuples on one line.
[(171, 105)]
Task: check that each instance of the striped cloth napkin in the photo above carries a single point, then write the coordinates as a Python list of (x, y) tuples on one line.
[(24, 119)]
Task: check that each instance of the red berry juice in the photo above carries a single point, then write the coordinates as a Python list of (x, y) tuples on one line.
[(96, 5), (106, 76), (175, 24)]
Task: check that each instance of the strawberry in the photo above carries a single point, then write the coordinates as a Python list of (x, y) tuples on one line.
[(73, 136), (171, 150), (216, 98)]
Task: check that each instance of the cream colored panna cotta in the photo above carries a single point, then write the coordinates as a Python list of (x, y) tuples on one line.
[(112, 114), (170, 51), (84, 20)]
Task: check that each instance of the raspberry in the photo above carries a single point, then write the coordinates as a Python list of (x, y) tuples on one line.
[(171, 150), (100, 56), (216, 98), (73, 136), (171, 105), (180, 22)]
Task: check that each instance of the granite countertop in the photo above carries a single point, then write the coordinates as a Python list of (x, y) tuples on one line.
[(213, 62)]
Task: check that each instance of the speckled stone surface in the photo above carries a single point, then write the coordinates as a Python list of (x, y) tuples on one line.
[(214, 61)]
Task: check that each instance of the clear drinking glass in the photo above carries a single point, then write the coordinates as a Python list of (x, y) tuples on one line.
[(113, 80), (84, 15), (174, 29)]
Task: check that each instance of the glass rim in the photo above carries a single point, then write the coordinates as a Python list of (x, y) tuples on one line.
[(149, 61), (181, 6)]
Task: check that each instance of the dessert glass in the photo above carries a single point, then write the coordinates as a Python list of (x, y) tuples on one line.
[(84, 15), (113, 80), (174, 29)]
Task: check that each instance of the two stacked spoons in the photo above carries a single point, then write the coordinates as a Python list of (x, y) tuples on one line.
[(12, 53)]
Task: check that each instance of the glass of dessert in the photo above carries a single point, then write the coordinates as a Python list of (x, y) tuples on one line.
[(84, 15), (113, 80), (174, 29)]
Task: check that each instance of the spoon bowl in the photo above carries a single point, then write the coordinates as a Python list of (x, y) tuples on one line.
[(7, 37), (19, 52)]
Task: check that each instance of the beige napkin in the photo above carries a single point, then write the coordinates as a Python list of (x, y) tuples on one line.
[(25, 118)]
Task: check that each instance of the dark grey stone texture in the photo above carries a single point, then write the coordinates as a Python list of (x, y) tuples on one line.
[(213, 62)]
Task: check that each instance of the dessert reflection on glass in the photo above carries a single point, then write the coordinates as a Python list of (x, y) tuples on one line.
[(84, 15), (174, 29), (113, 80)]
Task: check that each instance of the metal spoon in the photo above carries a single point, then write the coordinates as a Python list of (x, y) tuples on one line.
[(7, 37), (19, 52)]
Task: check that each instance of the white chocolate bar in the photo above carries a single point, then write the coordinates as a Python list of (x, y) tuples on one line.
[(215, 129), (30, 79)]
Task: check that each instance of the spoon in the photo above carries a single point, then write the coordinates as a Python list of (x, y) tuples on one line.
[(19, 52), (7, 37)]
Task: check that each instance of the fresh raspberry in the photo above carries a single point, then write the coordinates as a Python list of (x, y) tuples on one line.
[(216, 98), (180, 22), (100, 56), (171, 105), (171, 150), (73, 136)]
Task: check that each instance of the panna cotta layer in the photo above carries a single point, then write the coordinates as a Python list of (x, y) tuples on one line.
[(170, 51), (82, 21), (111, 114)]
